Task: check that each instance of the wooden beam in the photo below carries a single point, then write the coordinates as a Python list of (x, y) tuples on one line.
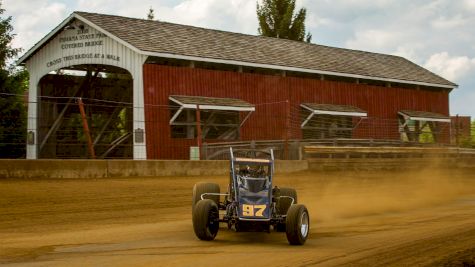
[(228, 135), (208, 123), (245, 118), (433, 126), (198, 126), (417, 132), (112, 117), (85, 125), (115, 143)]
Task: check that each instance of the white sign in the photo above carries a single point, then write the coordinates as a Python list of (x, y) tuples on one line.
[(85, 44)]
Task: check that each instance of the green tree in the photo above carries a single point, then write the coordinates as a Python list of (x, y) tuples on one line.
[(150, 15), (277, 19), (426, 136), (13, 84)]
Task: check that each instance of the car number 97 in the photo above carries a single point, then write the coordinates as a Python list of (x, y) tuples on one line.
[(253, 210)]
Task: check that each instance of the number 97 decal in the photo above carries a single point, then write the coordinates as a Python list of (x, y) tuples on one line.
[(253, 210)]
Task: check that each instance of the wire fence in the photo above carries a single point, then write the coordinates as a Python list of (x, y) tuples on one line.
[(69, 128)]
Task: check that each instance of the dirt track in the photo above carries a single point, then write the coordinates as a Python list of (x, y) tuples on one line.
[(363, 219)]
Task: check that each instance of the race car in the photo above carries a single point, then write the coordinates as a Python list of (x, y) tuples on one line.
[(251, 203)]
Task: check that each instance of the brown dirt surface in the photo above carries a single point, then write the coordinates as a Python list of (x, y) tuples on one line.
[(423, 218)]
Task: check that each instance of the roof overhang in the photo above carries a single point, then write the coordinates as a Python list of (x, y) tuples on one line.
[(211, 103), (336, 112), (217, 105), (424, 116), (333, 110)]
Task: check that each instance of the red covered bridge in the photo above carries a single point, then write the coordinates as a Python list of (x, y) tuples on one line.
[(182, 86)]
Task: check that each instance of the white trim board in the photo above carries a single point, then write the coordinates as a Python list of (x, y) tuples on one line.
[(216, 107), (332, 113), (212, 107), (406, 117), (335, 113), (428, 119), (341, 113)]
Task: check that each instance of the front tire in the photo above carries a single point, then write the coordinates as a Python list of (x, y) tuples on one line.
[(298, 224), (206, 219)]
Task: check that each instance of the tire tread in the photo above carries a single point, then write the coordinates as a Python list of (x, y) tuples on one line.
[(201, 213), (292, 224)]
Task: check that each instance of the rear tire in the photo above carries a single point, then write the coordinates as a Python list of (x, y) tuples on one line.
[(284, 205), (201, 188), (206, 219), (285, 202), (298, 224)]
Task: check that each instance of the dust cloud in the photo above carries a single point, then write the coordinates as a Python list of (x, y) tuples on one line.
[(342, 195)]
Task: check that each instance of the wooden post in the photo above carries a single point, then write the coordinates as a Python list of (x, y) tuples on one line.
[(417, 132), (434, 128), (287, 129), (86, 129), (198, 128), (457, 125)]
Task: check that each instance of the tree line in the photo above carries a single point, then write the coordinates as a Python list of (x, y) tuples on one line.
[(13, 86)]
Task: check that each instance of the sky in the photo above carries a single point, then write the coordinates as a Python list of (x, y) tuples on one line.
[(436, 34)]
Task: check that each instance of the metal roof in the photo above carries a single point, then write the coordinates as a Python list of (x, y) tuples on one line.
[(156, 38)]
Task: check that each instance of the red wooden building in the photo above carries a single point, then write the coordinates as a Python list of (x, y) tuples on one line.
[(239, 87)]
